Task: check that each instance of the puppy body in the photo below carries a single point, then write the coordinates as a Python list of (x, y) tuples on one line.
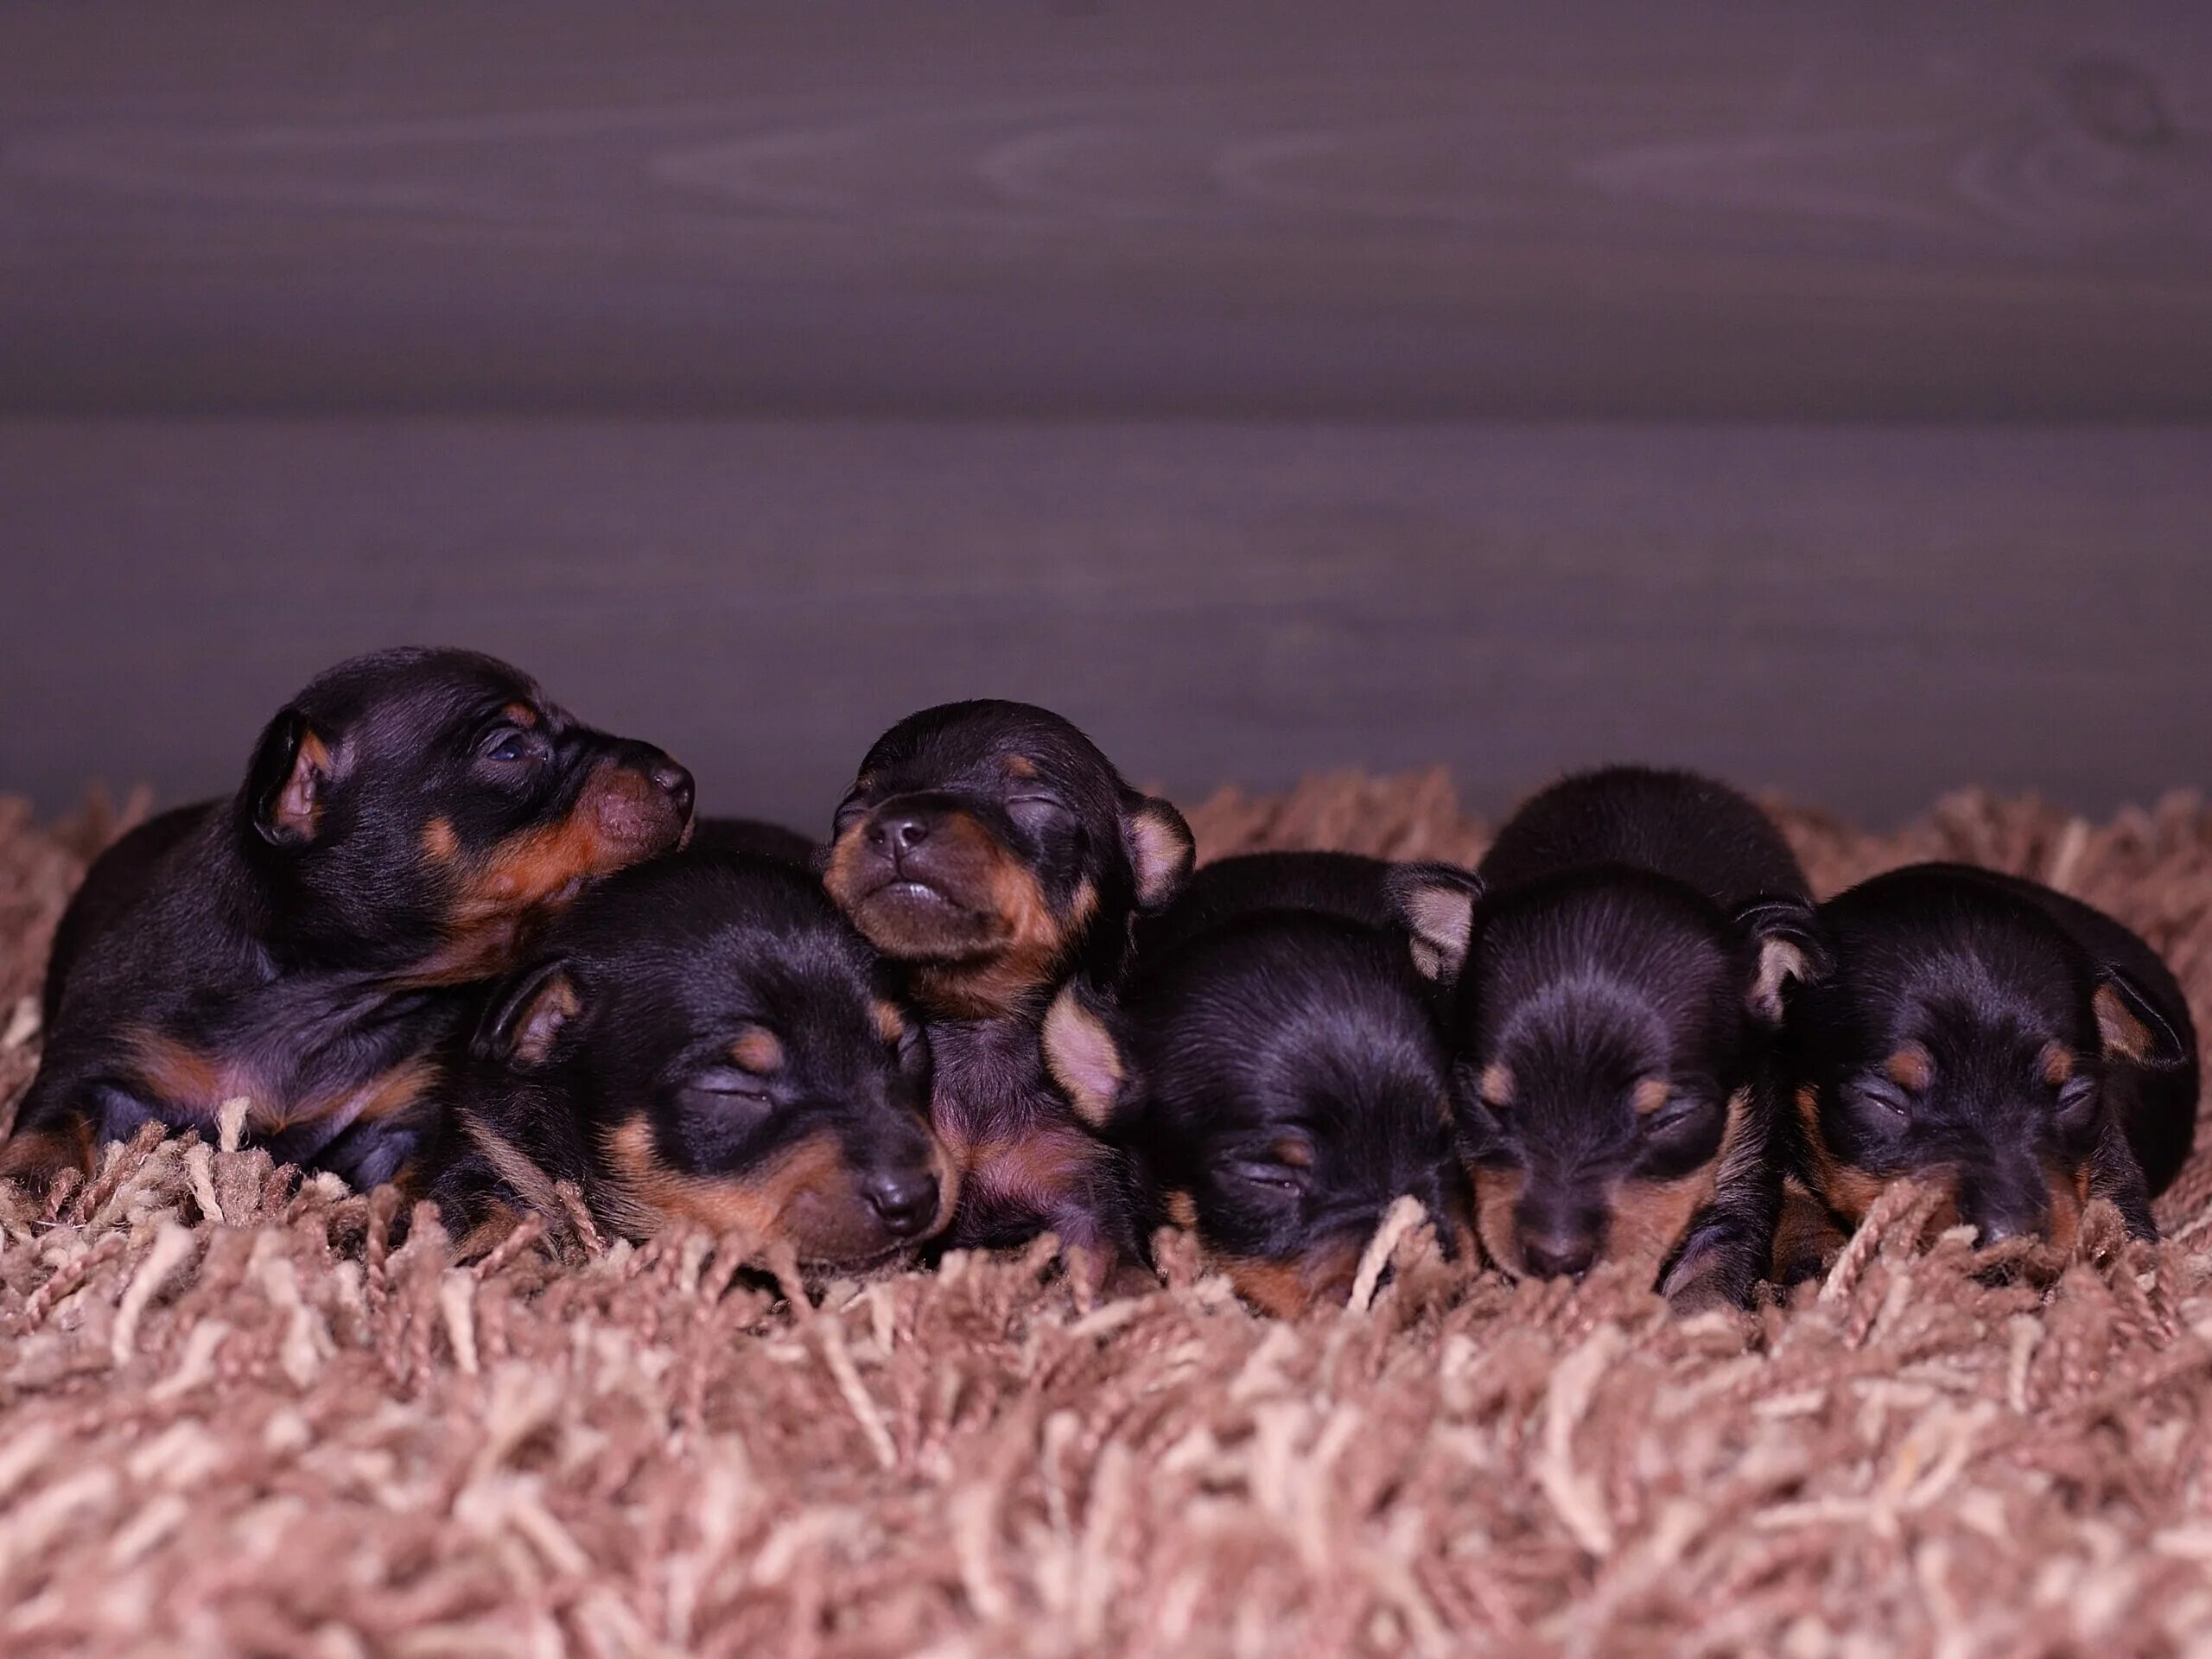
[(757, 836), (1614, 978), (1274, 1065), (1346, 885), (2017, 1049), (991, 850), (703, 1039), (308, 946)]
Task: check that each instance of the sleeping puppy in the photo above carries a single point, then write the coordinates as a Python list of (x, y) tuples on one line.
[(1273, 1064), (2020, 1050), (702, 1040), (991, 850), (1613, 979), (406, 823)]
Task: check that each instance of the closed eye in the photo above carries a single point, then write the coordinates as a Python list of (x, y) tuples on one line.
[(1893, 1106), (729, 1083), (849, 814), (1037, 807), (1265, 1174), (2077, 1102), (1679, 1111)]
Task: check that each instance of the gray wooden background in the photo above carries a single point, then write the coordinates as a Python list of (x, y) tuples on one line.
[(1817, 394)]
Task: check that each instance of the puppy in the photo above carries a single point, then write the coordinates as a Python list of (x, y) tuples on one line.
[(702, 1040), (757, 836), (405, 823), (991, 850), (2018, 1050), (1613, 978), (1273, 1064)]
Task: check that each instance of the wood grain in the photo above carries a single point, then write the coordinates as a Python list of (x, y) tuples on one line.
[(1863, 618), (1291, 209)]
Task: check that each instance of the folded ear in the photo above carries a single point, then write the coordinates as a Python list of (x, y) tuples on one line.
[(2131, 1027), (1161, 851), (526, 1017), (288, 779), (1786, 948), (1084, 1055), (1436, 904)]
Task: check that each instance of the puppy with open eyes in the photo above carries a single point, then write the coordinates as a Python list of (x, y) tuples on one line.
[(406, 823), (703, 1039), (2017, 1049), (1613, 979), (991, 851), (1273, 1064)]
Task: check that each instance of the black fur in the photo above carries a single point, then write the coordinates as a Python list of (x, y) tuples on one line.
[(991, 849), (1937, 1048), (1282, 1075), (704, 1039), (1612, 998), (308, 945)]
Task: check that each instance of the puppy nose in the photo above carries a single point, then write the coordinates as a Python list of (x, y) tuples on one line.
[(906, 1200), (674, 782), (900, 832), (1558, 1255)]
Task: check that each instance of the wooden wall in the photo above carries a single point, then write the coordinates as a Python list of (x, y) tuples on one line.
[(1818, 394)]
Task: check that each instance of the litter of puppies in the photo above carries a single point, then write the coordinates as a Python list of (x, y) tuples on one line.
[(448, 937)]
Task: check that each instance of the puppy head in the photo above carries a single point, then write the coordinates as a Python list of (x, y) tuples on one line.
[(423, 810), (1601, 1026), (1965, 1042), (1286, 1085), (720, 1034), (989, 843)]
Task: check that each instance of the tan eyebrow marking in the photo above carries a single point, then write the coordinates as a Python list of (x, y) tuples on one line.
[(1497, 1084), (757, 1050), (1910, 1067), (522, 714), (2057, 1062), (1648, 1095), (1019, 766)]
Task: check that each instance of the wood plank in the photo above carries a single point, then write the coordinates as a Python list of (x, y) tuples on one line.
[(1291, 209), (1863, 618)]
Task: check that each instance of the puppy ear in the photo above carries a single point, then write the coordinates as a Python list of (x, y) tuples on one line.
[(525, 1019), (2132, 1028), (1436, 904), (1161, 851), (1084, 1056), (1786, 947), (286, 783)]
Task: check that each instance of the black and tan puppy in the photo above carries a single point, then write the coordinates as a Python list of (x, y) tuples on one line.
[(1615, 976), (705, 1041), (995, 853), (1274, 1065), (406, 822), (2020, 1050)]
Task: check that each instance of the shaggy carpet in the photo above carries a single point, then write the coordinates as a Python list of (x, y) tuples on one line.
[(235, 1419)]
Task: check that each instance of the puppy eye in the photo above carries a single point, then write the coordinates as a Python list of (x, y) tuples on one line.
[(1679, 1112), (1265, 1174), (1891, 1108), (849, 814), (1038, 809), (2077, 1102), (509, 743), (728, 1083)]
